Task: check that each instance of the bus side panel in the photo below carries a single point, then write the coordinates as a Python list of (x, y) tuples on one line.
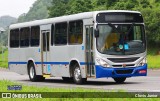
[(14, 61), (18, 59), (34, 54), (60, 61), (61, 57)]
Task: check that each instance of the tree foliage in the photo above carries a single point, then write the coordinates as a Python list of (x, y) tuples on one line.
[(58, 8), (66, 7), (39, 10)]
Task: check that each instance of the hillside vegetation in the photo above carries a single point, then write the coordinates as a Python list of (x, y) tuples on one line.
[(5, 21), (39, 10)]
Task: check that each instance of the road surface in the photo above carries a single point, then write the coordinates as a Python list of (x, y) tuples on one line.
[(150, 83)]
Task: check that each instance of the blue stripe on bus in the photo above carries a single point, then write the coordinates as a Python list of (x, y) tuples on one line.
[(54, 63), (17, 62)]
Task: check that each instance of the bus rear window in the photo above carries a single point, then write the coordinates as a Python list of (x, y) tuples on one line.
[(14, 38)]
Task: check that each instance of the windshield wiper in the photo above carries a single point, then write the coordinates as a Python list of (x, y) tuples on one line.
[(118, 30), (113, 27), (130, 29), (123, 35)]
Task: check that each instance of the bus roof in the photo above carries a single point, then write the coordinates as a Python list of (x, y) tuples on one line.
[(78, 16)]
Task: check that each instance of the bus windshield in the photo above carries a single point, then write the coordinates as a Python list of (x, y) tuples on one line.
[(121, 39)]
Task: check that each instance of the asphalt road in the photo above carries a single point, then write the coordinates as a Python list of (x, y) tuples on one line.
[(150, 83)]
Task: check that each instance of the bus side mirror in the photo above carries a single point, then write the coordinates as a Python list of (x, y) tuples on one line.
[(96, 33)]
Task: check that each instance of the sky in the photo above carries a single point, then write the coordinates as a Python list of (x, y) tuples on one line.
[(15, 8)]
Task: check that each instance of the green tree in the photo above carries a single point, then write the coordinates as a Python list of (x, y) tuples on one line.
[(66, 7), (124, 5), (39, 10), (144, 3), (78, 6), (152, 21), (58, 8)]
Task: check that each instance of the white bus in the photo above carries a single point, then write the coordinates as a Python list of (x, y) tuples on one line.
[(95, 44)]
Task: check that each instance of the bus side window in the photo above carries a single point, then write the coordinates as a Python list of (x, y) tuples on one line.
[(52, 34), (61, 33), (24, 37), (14, 38), (35, 35), (76, 32)]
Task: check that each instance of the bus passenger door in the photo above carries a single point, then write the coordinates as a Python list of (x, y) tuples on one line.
[(89, 51), (45, 55)]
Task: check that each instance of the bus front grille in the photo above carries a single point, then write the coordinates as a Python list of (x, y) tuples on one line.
[(122, 60), (127, 65)]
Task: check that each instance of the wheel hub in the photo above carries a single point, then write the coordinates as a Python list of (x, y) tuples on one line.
[(31, 72), (77, 73)]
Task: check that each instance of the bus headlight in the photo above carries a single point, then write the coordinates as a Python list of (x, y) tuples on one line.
[(143, 62), (102, 62)]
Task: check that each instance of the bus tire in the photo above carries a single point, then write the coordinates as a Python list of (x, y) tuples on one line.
[(77, 77), (32, 74), (119, 80)]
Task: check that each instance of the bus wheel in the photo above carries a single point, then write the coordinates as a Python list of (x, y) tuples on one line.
[(32, 74), (119, 80), (77, 75)]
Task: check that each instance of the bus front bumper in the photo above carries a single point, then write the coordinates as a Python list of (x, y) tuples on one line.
[(121, 72)]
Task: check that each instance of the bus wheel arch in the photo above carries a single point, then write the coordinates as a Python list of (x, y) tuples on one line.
[(32, 72), (28, 64), (75, 72), (71, 67)]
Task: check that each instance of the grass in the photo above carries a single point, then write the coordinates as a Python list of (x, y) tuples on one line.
[(5, 83), (153, 58), (153, 61), (4, 59)]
